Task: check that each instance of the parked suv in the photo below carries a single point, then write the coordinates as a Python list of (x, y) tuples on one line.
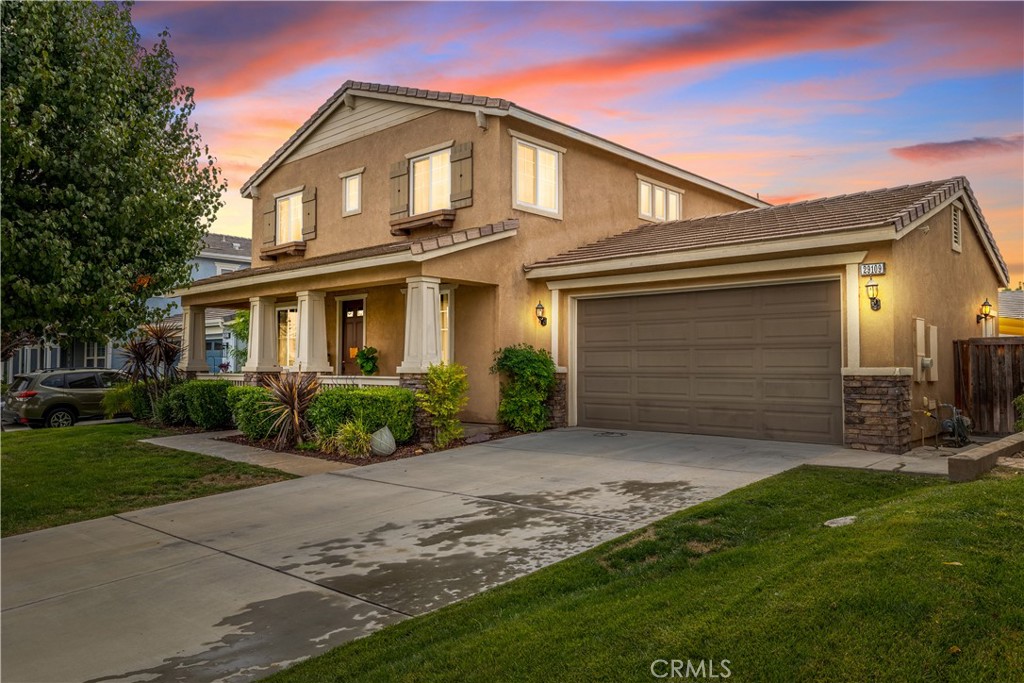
[(57, 398)]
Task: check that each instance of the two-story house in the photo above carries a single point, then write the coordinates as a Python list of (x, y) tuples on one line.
[(438, 227), (220, 254)]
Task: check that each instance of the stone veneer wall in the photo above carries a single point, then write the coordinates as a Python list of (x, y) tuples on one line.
[(421, 419), (876, 412), (558, 404)]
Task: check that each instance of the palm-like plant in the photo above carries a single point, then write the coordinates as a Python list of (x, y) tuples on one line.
[(292, 393), (153, 356)]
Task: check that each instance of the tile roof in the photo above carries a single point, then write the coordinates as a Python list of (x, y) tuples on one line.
[(212, 315), (414, 247), (895, 207), (359, 86), (225, 244)]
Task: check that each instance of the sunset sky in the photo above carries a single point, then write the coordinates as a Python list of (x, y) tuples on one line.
[(789, 100)]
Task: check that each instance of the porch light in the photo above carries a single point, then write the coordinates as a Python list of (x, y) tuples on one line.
[(986, 311), (872, 289), (540, 314)]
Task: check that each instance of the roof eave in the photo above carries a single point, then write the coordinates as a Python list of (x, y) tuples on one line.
[(666, 259)]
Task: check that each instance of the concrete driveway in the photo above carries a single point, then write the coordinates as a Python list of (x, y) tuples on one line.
[(235, 586)]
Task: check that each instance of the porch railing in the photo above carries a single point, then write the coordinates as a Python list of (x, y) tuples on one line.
[(358, 381), (238, 379)]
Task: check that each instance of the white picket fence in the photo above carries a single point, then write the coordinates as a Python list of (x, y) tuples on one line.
[(238, 379)]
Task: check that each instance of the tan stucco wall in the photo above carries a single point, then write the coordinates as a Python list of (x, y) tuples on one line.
[(599, 199), (946, 289)]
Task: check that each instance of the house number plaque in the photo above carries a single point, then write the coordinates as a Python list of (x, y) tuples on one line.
[(867, 269)]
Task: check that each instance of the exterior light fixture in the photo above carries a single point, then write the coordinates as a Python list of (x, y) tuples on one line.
[(872, 289), (986, 311), (540, 314)]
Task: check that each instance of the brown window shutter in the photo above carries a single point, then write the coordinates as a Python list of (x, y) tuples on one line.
[(309, 213), (399, 175), (462, 175), (270, 226)]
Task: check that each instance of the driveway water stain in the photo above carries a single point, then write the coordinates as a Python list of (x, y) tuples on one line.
[(266, 636)]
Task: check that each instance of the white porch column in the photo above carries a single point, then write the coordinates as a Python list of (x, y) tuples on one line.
[(262, 336), (312, 341), (422, 324), (193, 339)]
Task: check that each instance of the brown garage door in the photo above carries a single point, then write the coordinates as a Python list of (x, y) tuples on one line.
[(756, 362)]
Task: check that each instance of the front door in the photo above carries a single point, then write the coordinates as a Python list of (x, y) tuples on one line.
[(351, 335)]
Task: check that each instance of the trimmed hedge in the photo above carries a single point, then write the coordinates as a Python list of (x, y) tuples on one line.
[(172, 407), (248, 406), (207, 403), (375, 406)]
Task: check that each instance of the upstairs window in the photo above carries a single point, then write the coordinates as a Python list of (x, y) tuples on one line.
[(658, 202), (537, 178), (289, 218), (431, 182), (352, 192)]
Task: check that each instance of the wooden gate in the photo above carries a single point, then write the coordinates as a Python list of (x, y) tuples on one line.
[(989, 374)]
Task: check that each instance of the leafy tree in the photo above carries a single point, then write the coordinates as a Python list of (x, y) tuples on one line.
[(107, 188), (240, 331)]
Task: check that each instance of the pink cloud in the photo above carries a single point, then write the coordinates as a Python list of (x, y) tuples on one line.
[(927, 152)]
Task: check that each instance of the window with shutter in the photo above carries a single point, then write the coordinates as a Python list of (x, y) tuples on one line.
[(289, 218), (431, 185), (309, 214), (462, 175)]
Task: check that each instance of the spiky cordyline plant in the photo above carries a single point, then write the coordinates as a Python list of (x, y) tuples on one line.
[(153, 357), (292, 393)]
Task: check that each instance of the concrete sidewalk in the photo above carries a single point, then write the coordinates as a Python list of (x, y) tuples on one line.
[(208, 443)]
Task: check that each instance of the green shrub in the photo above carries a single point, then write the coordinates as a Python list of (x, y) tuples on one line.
[(531, 379), (172, 407), (141, 407), (207, 403), (118, 400), (1018, 404), (355, 438), (443, 397), (248, 408), (375, 406)]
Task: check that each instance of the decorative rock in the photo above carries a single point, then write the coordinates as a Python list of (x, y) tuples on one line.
[(479, 438), (382, 442), (841, 521)]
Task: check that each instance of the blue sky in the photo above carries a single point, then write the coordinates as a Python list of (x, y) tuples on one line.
[(788, 100)]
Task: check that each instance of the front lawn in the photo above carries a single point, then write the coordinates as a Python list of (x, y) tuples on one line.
[(58, 476), (927, 585)]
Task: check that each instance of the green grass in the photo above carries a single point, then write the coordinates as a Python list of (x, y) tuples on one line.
[(58, 476), (753, 578)]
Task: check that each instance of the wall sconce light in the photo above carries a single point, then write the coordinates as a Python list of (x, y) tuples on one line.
[(986, 311), (872, 289), (540, 314)]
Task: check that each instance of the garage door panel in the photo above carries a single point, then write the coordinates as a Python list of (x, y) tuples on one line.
[(662, 359), (803, 389), (741, 389), (726, 358), (761, 362), (609, 385), (661, 331), (663, 387), (612, 358), (813, 359)]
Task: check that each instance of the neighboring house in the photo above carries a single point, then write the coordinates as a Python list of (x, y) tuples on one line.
[(435, 226), (221, 254), (1010, 309)]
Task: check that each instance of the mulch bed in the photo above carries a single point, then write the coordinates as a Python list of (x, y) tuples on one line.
[(406, 451)]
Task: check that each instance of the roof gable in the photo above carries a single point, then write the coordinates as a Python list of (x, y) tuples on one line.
[(354, 92), (897, 209)]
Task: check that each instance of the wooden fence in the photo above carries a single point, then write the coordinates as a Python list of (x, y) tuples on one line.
[(989, 374)]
